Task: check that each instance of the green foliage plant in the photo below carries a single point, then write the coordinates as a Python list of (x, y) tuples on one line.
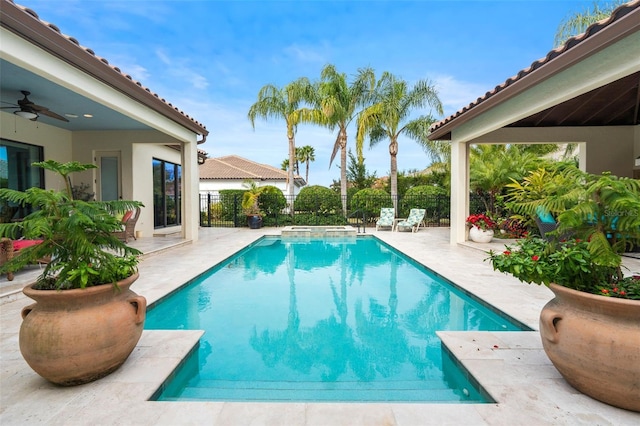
[(602, 216), (77, 235), (317, 199), (427, 197), (271, 201), (250, 198), (370, 201)]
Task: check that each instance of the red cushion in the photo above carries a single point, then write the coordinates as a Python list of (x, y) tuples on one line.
[(127, 216), (20, 244)]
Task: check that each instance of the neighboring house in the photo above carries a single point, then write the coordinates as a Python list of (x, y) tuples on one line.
[(586, 92), (231, 171), (89, 111)]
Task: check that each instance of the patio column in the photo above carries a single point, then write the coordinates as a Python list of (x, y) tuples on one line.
[(459, 190), (190, 178)]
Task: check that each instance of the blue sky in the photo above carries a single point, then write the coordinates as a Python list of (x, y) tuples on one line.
[(210, 58)]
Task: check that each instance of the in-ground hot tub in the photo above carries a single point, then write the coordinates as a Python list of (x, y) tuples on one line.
[(319, 231)]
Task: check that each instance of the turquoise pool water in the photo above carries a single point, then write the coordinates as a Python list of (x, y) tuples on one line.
[(322, 320)]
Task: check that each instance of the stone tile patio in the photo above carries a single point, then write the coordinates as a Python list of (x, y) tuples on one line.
[(510, 365)]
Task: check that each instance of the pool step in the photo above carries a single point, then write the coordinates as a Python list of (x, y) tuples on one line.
[(218, 394), (426, 390)]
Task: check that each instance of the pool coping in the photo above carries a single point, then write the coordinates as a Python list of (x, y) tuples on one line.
[(511, 366)]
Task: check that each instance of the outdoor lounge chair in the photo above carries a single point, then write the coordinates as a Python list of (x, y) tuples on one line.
[(9, 248), (128, 225), (413, 222), (387, 216), (546, 223)]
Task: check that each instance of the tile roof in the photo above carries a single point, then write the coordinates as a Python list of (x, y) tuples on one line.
[(47, 36), (630, 10), (235, 167)]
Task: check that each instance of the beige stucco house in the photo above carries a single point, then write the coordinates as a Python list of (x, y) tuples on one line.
[(586, 92), (81, 108)]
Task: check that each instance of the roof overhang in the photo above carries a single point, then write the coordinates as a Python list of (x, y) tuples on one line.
[(26, 25)]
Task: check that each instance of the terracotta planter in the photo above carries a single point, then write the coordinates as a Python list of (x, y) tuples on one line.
[(480, 236), (594, 342), (71, 337)]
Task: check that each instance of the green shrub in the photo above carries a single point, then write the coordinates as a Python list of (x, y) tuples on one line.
[(271, 200), (231, 200), (317, 199), (429, 197), (319, 219), (370, 201)]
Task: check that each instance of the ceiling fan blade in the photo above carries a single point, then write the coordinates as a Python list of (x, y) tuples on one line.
[(45, 111)]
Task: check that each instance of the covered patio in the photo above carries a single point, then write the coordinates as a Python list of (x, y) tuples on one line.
[(585, 92), (61, 101)]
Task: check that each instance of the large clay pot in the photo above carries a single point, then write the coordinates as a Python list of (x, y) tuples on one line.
[(71, 337), (479, 235), (594, 342)]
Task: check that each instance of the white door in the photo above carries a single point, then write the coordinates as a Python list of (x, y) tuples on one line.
[(108, 176)]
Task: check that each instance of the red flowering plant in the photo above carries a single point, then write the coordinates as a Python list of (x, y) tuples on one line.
[(566, 263), (481, 221), (601, 216)]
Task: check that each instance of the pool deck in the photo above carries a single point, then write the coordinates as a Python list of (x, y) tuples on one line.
[(511, 366)]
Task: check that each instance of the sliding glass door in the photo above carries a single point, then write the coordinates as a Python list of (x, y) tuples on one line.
[(167, 198), (16, 172)]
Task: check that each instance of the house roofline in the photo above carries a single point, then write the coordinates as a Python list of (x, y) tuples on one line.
[(26, 24)]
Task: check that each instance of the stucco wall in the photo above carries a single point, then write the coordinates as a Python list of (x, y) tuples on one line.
[(218, 184)]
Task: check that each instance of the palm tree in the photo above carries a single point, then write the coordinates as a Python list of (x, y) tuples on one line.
[(495, 166), (389, 116), (286, 103), (305, 155), (285, 165), (577, 22), (340, 101)]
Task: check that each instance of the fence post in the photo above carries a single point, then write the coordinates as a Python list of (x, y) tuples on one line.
[(235, 210), (209, 208)]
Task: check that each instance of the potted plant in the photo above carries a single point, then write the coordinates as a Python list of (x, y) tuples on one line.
[(86, 320), (591, 329), (250, 205), (480, 228)]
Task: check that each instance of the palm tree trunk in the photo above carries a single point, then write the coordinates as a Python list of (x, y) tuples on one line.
[(292, 162), (306, 175), (393, 152), (343, 170)]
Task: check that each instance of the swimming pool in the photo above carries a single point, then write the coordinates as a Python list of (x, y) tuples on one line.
[(322, 320)]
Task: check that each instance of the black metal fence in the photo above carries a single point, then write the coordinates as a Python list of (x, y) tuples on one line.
[(225, 210)]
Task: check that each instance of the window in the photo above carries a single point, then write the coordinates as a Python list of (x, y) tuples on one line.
[(16, 172), (167, 197)]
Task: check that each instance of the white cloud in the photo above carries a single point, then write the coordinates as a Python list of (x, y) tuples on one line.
[(183, 70), (301, 53), (456, 94)]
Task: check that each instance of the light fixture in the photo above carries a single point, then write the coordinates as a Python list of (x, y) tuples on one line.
[(71, 115), (26, 114), (87, 115), (638, 161)]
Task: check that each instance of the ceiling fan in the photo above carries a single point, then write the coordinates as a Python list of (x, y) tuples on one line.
[(27, 109)]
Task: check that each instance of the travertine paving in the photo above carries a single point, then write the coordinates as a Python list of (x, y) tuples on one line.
[(511, 366)]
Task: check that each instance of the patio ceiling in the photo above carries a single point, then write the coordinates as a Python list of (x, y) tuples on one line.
[(615, 104), (59, 100)]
